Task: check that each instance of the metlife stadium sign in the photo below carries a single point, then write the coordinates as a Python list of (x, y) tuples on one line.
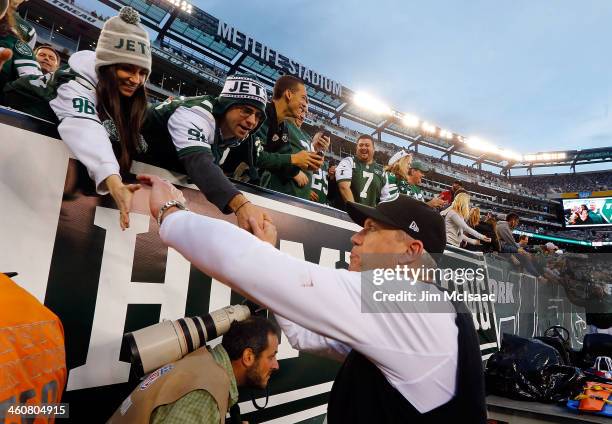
[(253, 47)]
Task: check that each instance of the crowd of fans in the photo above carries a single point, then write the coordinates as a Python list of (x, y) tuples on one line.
[(485, 188), (565, 183), (103, 115)]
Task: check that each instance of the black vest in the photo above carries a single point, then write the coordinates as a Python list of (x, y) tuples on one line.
[(362, 394)]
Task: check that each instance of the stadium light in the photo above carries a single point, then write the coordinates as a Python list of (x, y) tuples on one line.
[(446, 134), (370, 103), (182, 4), (410, 121), (428, 128), (478, 144), (509, 154)]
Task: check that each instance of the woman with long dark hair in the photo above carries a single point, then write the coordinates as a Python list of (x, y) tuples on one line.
[(101, 102)]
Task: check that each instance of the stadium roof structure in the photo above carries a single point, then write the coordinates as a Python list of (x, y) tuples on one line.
[(238, 51)]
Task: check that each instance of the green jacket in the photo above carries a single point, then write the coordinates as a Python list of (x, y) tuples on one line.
[(276, 142)]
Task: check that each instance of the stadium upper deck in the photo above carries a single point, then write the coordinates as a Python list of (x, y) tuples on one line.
[(194, 52), (197, 43)]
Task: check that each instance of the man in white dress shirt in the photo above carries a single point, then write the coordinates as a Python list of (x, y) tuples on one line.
[(399, 366)]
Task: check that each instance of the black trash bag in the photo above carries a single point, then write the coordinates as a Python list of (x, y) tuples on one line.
[(517, 370), (562, 383), (559, 338)]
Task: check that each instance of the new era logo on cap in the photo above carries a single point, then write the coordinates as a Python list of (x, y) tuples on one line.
[(244, 88), (410, 215)]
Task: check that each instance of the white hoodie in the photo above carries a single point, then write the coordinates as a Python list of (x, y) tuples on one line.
[(80, 126)]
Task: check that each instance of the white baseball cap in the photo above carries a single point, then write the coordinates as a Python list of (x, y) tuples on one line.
[(551, 246), (396, 157)]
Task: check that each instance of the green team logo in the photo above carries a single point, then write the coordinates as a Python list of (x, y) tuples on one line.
[(23, 48)]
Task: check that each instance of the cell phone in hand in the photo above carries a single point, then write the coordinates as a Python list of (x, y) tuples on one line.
[(326, 133)]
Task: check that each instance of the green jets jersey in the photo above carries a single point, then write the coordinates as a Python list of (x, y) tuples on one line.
[(21, 64), (32, 94), (191, 126), (26, 31), (281, 179), (415, 191), (394, 186), (319, 183), (367, 181), (189, 122)]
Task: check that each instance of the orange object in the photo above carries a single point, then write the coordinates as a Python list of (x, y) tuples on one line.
[(595, 396), (32, 355)]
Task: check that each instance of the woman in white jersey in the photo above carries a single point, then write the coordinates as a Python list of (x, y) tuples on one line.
[(101, 102)]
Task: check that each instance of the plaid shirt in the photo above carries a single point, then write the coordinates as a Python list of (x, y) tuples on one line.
[(198, 407)]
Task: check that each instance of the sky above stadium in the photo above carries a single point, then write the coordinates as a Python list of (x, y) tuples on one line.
[(526, 76), (530, 76)]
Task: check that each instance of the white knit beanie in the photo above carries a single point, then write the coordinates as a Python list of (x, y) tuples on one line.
[(123, 40)]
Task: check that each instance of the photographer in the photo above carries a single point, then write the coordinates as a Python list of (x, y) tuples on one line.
[(202, 386), (408, 366)]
